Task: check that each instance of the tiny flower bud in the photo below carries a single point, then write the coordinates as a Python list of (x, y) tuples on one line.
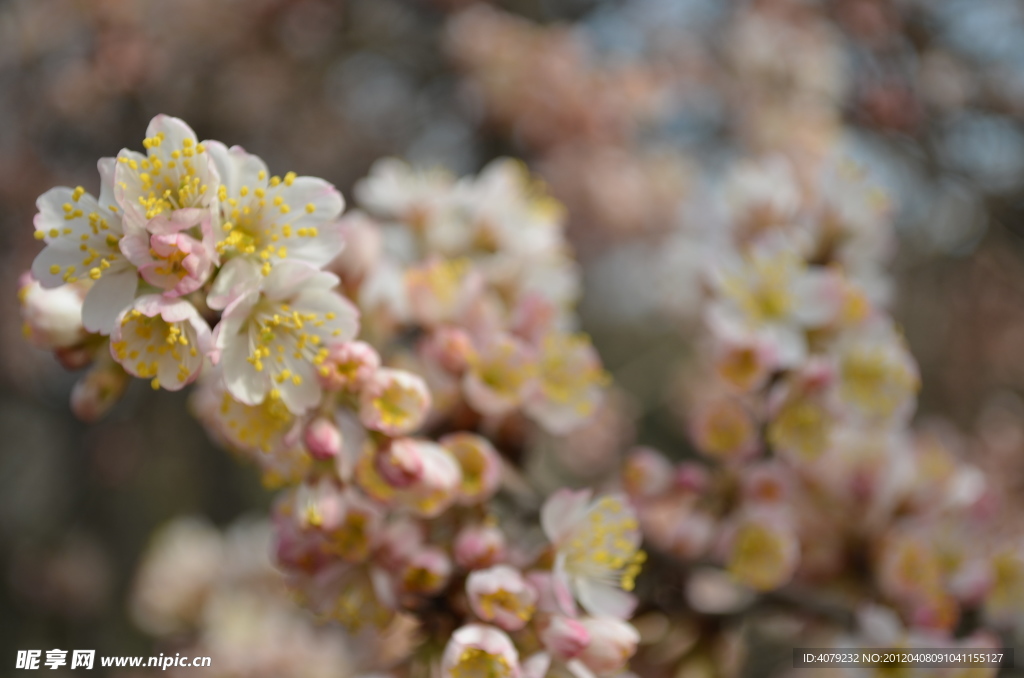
[(426, 572), (394, 402), (480, 463), (479, 546), (348, 366), (428, 476), (501, 596), (323, 439), (565, 637), (451, 347), (400, 463), (647, 473)]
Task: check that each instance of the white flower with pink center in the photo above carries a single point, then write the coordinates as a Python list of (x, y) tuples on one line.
[(161, 339), (272, 340), (83, 236), (175, 253), (416, 474), (501, 596), (480, 651), (597, 549)]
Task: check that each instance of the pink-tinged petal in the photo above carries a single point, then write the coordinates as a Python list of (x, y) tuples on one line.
[(604, 600), (237, 277), (563, 511), (110, 295), (135, 247)]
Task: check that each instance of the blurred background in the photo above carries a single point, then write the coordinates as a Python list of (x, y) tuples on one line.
[(625, 107)]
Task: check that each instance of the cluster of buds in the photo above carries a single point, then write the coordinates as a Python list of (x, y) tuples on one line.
[(392, 452), (813, 480)]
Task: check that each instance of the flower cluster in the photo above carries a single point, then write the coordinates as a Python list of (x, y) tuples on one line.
[(397, 452), (814, 481)]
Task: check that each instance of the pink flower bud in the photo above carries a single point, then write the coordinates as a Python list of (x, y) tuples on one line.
[(426, 572), (480, 463), (394, 402), (612, 643), (451, 347), (323, 439), (400, 463), (647, 473), (500, 595), (479, 546), (565, 637), (348, 366), (424, 477)]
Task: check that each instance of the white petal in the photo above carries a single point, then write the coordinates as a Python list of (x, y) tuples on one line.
[(175, 131), (604, 600), (563, 511), (237, 168), (299, 398), (53, 255), (105, 300), (240, 377), (237, 277)]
